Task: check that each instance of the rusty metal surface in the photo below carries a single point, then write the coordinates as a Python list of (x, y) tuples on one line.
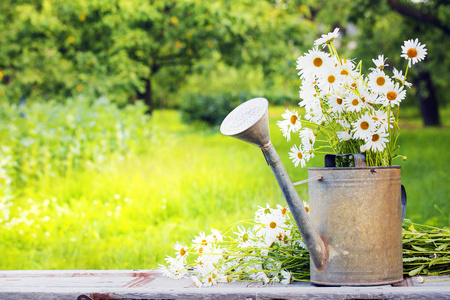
[(357, 212)]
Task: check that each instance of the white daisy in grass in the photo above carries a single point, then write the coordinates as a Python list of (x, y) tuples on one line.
[(181, 251), (380, 62), (336, 104), (377, 141), (298, 156), (353, 103), (308, 139), (378, 81), (399, 78), (393, 96), (364, 127), (413, 51), (344, 136), (327, 38), (313, 63)]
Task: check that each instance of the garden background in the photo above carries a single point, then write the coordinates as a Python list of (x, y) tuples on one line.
[(109, 113)]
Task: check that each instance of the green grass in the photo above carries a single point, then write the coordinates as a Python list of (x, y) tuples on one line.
[(130, 214)]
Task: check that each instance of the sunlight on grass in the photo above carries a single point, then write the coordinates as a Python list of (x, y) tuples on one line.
[(130, 214)]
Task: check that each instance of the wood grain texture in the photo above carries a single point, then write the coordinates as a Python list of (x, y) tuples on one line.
[(149, 284)]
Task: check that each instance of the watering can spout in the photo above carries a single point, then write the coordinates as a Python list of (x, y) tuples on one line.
[(249, 122)]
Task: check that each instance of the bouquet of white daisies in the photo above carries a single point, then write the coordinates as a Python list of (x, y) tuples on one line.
[(353, 113)]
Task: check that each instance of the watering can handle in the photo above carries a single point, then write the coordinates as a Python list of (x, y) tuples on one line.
[(404, 201)]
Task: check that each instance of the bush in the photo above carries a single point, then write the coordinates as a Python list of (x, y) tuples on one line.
[(209, 109), (212, 109)]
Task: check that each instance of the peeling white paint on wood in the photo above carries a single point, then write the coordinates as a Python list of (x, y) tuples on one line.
[(149, 284)]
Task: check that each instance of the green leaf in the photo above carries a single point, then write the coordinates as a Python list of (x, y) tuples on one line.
[(416, 270)]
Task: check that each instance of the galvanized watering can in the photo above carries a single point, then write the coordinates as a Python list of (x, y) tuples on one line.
[(353, 232)]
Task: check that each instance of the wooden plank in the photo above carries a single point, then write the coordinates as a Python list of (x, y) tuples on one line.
[(149, 284)]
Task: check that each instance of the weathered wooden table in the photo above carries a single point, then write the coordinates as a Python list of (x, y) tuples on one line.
[(149, 284)]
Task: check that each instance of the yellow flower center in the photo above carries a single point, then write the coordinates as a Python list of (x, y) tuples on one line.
[(381, 81), (307, 208), (300, 155), (273, 225), (364, 125), (182, 252), (294, 119), (331, 79), (375, 137), (355, 102), (177, 44), (204, 242), (375, 119), (209, 279), (344, 72), (391, 95), (411, 53), (317, 61), (339, 101), (284, 210)]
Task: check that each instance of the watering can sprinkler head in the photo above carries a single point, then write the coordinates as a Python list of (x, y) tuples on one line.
[(250, 122)]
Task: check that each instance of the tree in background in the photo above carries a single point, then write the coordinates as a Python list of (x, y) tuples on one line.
[(120, 48), (382, 27)]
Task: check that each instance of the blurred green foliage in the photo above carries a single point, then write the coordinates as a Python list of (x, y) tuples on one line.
[(123, 48), (41, 141)]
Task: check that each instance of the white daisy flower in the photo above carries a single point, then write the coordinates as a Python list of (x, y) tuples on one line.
[(363, 128), (306, 206), (399, 78), (353, 103), (285, 129), (393, 96), (348, 71), (336, 103), (413, 51), (380, 117), (196, 281), (327, 38), (313, 63), (287, 276), (344, 136), (308, 139), (376, 142), (293, 119), (378, 81), (331, 80), (181, 250), (298, 156), (291, 123), (216, 235), (379, 62)]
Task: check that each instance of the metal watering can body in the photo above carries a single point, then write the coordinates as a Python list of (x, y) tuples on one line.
[(358, 214), (348, 243)]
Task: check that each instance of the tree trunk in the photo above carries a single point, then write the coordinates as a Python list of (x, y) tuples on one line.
[(427, 98), (147, 96)]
